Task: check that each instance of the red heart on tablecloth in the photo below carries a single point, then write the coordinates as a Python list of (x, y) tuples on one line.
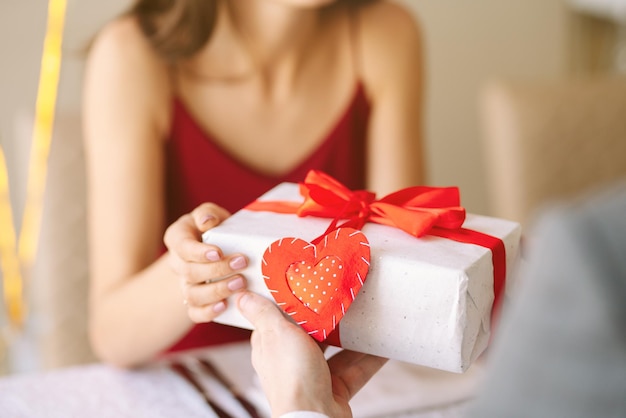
[(316, 283)]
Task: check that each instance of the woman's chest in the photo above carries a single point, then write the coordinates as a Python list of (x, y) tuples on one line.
[(270, 134)]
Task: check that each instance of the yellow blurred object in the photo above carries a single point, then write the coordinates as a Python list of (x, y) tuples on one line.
[(9, 261), (42, 132), (14, 262)]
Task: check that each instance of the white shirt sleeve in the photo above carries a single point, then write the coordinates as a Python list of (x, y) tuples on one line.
[(304, 414)]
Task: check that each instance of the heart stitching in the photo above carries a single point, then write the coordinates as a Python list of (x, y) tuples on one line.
[(316, 283)]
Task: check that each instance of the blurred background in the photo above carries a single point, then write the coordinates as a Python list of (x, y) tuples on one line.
[(479, 55)]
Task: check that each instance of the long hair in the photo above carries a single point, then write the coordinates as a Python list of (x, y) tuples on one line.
[(177, 29)]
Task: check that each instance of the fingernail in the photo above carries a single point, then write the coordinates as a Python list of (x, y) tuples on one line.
[(237, 263), (243, 299), (219, 307), (212, 255), (236, 283), (206, 219)]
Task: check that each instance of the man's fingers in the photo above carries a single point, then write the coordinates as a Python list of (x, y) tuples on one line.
[(258, 310), (351, 371)]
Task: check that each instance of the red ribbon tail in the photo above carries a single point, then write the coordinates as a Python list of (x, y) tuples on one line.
[(334, 337), (498, 253), (274, 206)]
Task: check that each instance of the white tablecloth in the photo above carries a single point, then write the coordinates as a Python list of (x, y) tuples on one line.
[(398, 390)]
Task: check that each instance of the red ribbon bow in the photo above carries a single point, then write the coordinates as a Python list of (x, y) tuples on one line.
[(414, 210)]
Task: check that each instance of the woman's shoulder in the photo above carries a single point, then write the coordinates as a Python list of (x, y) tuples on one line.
[(121, 48), (389, 15), (123, 68), (122, 37), (390, 40)]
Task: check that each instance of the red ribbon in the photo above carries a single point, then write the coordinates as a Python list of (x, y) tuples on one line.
[(418, 210)]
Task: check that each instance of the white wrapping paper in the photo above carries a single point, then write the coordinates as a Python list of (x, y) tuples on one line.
[(426, 300)]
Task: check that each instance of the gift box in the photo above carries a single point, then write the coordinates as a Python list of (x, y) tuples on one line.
[(425, 300)]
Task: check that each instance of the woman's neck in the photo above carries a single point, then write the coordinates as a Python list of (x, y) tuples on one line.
[(263, 38), (274, 30)]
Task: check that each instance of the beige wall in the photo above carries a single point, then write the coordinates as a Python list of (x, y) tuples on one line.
[(467, 42)]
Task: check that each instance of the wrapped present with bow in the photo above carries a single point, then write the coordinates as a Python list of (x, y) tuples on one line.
[(409, 276)]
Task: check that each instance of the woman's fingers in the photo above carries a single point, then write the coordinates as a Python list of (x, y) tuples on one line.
[(183, 240), (208, 215), (209, 293), (206, 313), (184, 237), (200, 272), (207, 277), (206, 301)]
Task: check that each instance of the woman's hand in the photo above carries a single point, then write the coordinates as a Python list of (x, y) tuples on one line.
[(207, 277), (294, 373)]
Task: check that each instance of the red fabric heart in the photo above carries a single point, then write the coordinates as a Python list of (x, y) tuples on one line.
[(316, 283)]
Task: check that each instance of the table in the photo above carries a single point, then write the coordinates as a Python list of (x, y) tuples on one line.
[(399, 390)]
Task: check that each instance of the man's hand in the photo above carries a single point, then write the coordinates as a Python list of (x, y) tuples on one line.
[(293, 370)]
